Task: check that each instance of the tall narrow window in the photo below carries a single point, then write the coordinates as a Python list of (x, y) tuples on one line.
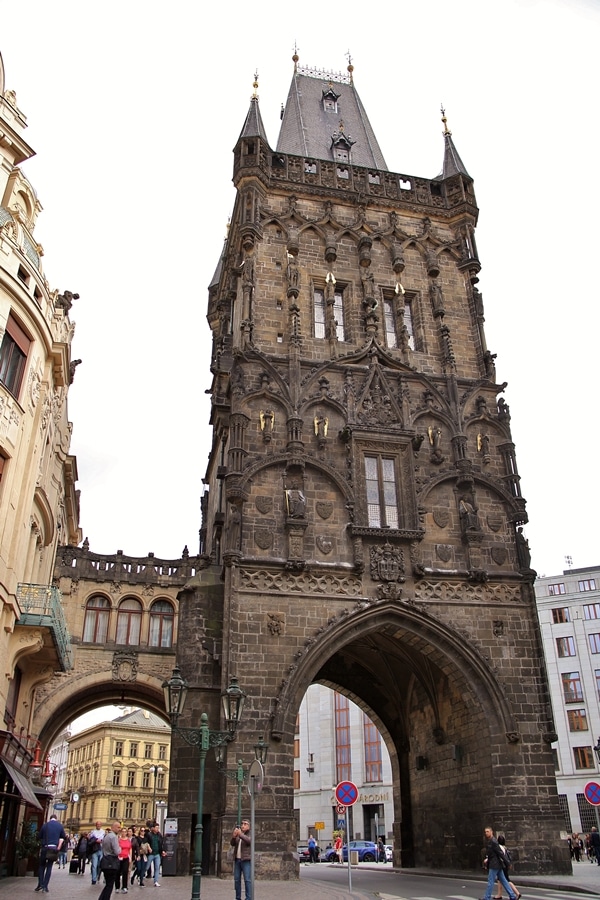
[(161, 624), (409, 322), (95, 626), (13, 356), (342, 738), (382, 497), (584, 758), (577, 720), (572, 688), (338, 315), (372, 741), (566, 646), (389, 323), (129, 620), (591, 611), (320, 314)]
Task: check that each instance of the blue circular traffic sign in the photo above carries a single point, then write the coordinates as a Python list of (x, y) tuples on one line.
[(592, 793), (346, 793)]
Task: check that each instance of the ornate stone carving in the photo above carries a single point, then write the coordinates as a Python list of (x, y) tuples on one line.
[(499, 555), (264, 504), (125, 666), (494, 521), (387, 563), (324, 508), (441, 517), (302, 583), (263, 538), (498, 627), (444, 552), (324, 545), (275, 623)]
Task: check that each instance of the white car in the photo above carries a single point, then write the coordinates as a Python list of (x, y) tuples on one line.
[(388, 853)]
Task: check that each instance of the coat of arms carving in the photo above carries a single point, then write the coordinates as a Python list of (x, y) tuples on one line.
[(387, 563), (494, 521), (263, 538), (324, 508), (441, 517), (125, 666), (499, 555), (324, 545), (444, 552), (264, 504)]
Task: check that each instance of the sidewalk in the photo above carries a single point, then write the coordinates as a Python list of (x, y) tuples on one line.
[(585, 880)]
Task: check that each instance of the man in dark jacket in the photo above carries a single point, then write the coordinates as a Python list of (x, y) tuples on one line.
[(52, 837), (595, 843), (241, 841), (155, 839), (495, 866)]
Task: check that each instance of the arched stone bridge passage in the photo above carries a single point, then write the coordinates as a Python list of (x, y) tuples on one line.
[(122, 616)]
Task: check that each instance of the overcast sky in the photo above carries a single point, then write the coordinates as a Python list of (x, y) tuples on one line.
[(134, 109)]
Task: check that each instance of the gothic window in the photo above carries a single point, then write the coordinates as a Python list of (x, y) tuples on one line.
[(382, 496), (320, 314), (13, 356), (162, 618), (389, 323), (129, 620), (577, 720), (95, 626), (572, 689), (561, 614), (409, 321), (372, 741), (565, 646)]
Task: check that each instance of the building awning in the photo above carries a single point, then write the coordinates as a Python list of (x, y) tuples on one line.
[(23, 785)]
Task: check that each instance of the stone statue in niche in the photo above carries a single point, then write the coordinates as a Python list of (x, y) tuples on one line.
[(469, 520), (483, 446), (523, 549), (295, 503), (435, 439)]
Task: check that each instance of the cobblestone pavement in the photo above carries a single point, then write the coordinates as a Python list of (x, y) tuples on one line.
[(585, 880)]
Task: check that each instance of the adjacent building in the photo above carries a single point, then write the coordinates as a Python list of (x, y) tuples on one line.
[(39, 503), (569, 611), (118, 770), (336, 741)]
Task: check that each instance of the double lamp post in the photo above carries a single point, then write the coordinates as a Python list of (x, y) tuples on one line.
[(175, 691)]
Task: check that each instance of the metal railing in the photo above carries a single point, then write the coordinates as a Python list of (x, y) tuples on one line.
[(41, 605)]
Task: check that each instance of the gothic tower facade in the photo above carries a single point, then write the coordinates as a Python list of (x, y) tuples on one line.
[(362, 525)]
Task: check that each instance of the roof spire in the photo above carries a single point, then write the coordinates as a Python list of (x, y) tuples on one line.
[(295, 57), (255, 86), (444, 120), (350, 66)]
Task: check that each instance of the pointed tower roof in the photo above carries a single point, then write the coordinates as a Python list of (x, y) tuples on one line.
[(253, 124), (320, 107), (453, 164)]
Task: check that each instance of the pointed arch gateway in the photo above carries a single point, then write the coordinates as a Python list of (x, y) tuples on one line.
[(439, 707)]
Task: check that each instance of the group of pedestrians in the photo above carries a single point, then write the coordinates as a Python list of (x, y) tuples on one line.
[(118, 853), (498, 861)]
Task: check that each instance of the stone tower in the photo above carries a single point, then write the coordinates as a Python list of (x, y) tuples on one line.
[(363, 521)]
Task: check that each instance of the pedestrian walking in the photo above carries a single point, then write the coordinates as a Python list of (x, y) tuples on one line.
[(494, 863), (52, 838), (241, 841)]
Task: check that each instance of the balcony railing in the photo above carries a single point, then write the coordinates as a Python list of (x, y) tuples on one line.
[(41, 606)]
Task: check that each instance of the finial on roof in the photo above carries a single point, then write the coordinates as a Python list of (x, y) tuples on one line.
[(444, 120), (255, 86), (350, 66), (295, 57)]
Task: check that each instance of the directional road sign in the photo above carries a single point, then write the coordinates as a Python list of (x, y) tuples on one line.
[(592, 793), (346, 793)]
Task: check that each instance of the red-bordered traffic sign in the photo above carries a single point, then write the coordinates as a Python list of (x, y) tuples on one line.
[(592, 793), (341, 809), (346, 793)]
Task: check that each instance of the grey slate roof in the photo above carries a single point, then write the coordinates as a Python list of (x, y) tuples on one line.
[(307, 128), (137, 717), (253, 125), (453, 164)]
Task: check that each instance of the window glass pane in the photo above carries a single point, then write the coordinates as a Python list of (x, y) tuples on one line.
[(389, 323), (338, 315), (594, 643), (319, 311), (408, 322), (591, 611)]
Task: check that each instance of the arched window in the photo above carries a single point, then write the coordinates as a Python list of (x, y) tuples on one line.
[(129, 621), (95, 626), (161, 624)]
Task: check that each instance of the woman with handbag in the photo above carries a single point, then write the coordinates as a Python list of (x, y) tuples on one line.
[(109, 861)]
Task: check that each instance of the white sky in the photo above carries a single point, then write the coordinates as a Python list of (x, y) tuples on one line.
[(134, 108)]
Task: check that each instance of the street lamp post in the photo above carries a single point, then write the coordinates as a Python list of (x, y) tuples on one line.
[(239, 773), (156, 770), (175, 691)]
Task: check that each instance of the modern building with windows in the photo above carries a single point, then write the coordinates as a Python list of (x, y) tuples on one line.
[(336, 741), (118, 770), (569, 613)]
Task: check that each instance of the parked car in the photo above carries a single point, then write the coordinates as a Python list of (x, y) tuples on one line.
[(388, 853), (304, 853), (367, 851)]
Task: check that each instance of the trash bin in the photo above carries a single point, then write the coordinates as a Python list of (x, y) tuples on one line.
[(354, 857)]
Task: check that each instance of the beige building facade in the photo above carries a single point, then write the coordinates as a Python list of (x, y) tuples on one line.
[(39, 507)]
